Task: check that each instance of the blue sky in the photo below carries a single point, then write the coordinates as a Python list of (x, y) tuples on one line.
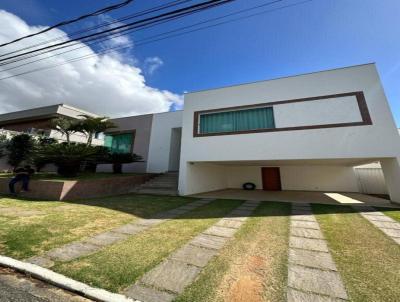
[(317, 35)]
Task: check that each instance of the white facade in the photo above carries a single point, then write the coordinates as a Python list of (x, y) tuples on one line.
[(165, 139), (321, 133)]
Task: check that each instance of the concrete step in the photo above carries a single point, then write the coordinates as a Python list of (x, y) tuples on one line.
[(159, 191), (159, 185), (163, 177)]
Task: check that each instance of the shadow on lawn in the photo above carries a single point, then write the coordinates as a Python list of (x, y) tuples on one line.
[(141, 205)]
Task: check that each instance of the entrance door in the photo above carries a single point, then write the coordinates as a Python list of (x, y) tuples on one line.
[(175, 149), (271, 179)]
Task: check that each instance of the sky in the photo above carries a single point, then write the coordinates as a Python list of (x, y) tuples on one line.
[(311, 36)]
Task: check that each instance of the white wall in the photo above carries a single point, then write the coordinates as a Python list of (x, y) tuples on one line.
[(319, 112), (205, 177), (372, 141), (319, 178), (160, 140), (302, 178)]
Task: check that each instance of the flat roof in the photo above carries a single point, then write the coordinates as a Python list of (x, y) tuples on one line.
[(42, 113), (279, 78)]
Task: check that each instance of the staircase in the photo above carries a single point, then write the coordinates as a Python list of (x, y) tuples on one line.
[(164, 184)]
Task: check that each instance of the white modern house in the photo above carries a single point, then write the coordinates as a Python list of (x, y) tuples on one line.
[(303, 132), (299, 133)]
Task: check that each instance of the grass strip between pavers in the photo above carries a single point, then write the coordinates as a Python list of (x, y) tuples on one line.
[(391, 212), (253, 266), (29, 228), (121, 264), (367, 260)]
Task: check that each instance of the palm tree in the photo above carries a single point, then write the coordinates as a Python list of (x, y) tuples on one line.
[(66, 127), (92, 125)]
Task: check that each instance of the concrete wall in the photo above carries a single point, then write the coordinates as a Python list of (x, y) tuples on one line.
[(141, 127), (378, 140), (161, 139), (204, 177), (319, 178), (77, 189)]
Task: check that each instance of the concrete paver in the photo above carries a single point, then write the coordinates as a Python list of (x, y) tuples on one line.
[(92, 244), (312, 273), (316, 281), (183, 266)]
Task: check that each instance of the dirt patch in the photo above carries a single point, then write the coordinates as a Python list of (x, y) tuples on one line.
[(19, 212), (254, 273), (248, 287)]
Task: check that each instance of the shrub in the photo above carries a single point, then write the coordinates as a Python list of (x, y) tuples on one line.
[(69, 157), (117, 159), (19, 149)]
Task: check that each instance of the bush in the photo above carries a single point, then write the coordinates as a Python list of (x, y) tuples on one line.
[(19, 149), (117, 159), (69, 157)]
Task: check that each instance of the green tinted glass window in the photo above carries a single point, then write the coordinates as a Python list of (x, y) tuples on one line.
[(119, 143), (236, 121)]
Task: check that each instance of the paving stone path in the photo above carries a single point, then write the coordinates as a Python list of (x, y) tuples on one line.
[(167, 280), (93, 244), (386, 224), (312, 273)]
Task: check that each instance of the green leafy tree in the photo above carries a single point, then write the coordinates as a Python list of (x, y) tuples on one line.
[(92, 125), (41, 143), (66, 127), (19, 149)]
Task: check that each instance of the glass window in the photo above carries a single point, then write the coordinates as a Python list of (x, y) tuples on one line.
[(119, 143), (236, 121)]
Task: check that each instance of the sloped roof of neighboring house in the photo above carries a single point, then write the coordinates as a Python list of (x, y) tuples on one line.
[(43, 113)]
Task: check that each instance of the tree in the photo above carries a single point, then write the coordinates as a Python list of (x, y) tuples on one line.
[(40, 144), (67, 127), (92, 125), (19, 149), (3, 145)]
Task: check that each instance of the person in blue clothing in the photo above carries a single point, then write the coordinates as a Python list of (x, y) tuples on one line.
[(21, 175)]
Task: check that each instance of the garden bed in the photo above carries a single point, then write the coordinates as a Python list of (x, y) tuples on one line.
[(81, 187)]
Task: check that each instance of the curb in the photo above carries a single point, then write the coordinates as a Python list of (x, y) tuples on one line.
[(64, 282)]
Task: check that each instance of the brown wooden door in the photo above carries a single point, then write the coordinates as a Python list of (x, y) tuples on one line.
[(271, 179)]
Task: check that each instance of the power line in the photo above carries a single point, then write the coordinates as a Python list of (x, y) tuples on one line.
[(155, 39), (182, 11), (105, 24), (125, 33), (95, 13)]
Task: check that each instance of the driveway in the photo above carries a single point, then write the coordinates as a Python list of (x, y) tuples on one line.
[(300, 197)]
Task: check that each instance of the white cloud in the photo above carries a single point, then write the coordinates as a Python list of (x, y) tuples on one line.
[(151, 64), (104, 84)]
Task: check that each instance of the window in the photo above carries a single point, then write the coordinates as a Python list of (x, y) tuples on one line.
[(119, 143), (236, 121)]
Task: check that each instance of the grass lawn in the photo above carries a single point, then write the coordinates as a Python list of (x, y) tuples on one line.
[(368, 261), (29, 228), (81, 176), (253, 267), (121, 264), (393, 213)]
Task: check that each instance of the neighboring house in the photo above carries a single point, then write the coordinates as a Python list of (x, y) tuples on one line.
[(155, 137), (39, 121)]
